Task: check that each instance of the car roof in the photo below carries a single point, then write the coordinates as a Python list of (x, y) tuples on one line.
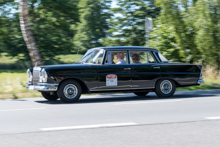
[(126, 48)]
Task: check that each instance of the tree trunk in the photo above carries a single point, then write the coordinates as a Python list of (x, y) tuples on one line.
[(27, 35)]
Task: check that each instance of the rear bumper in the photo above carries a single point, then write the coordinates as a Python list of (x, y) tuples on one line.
[(42, 87), (200, 81)]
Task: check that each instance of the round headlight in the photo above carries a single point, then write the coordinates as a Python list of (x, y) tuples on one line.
[(43, 76), (29, 75)]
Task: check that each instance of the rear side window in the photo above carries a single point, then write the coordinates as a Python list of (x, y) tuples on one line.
[(141, 57), (163, 58)]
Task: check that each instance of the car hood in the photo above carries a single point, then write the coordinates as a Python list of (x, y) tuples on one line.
[(61, 66)]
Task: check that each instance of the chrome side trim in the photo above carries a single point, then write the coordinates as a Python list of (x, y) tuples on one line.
[(132, 88)]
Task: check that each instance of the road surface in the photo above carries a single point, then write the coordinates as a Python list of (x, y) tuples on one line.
[(190, 118)]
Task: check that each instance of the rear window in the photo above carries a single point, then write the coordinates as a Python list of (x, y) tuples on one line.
[(163, 59)]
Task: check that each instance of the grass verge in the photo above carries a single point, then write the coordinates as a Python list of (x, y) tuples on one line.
[(12, 63), (201, 87), (12, 85), (13, 76)]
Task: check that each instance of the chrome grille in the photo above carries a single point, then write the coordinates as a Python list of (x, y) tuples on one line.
[(35, 77)]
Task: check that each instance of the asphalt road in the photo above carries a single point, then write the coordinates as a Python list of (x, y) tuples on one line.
[(189, 119)]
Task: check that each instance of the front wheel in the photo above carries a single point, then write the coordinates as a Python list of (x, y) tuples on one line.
[(50, 96), (69, 91), (165, 88)]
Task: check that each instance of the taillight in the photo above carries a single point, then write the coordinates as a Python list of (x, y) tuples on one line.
[(200, 76)]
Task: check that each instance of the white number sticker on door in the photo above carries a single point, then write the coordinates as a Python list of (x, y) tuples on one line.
[(111, 80)]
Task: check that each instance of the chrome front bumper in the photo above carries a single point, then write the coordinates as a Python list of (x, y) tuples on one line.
[(42, 87)]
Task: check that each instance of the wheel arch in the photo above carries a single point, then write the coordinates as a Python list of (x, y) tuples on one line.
[(85, 89), (167, 78)]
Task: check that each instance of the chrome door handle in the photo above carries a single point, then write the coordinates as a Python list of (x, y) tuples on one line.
[(127, 68), (157, 67)]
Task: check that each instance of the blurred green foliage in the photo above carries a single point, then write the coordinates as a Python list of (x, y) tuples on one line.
[(183, 30), (59, 27), (128, 24), (50, 24), (93, 25), (163, 38), (188, 30)]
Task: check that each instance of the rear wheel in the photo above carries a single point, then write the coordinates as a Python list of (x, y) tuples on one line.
[(69, 91), (50, 96), (165, 88), (141, 93)]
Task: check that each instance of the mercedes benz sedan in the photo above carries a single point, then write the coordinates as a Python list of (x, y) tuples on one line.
[(114, 69)]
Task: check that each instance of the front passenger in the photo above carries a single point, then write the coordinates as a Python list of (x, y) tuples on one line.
[(120, 58)]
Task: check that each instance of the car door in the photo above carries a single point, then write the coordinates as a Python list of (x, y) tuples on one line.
[(146, 71), (112, 75)]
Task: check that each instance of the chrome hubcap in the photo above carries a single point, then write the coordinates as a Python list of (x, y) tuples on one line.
[(70, 91), (166, 87)]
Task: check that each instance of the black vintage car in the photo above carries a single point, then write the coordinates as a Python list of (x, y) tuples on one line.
[(114, 69)]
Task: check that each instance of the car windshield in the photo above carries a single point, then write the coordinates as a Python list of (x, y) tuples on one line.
[(163, 58), (93, 56)]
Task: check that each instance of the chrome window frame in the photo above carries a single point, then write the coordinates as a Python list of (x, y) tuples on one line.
[(157, 58)]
